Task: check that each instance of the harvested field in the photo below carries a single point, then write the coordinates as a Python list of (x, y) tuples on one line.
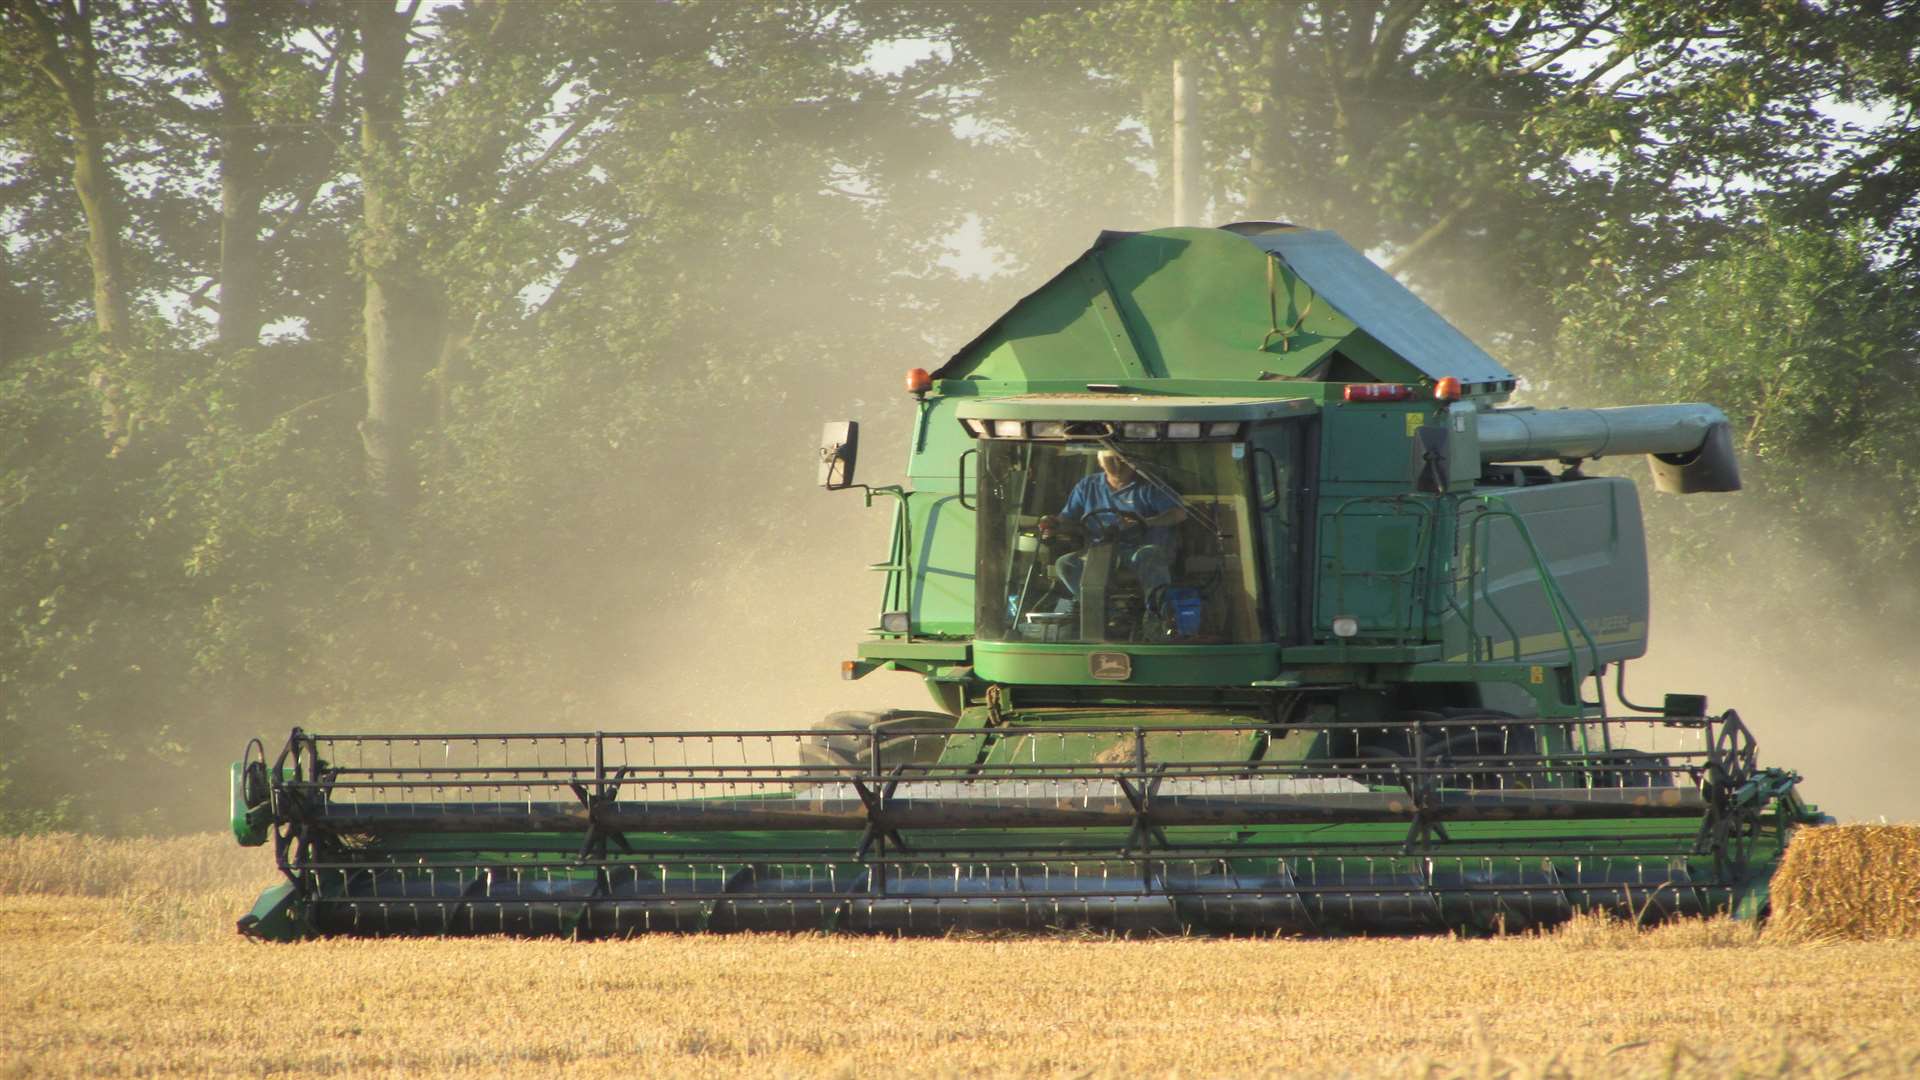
[(144, 981)]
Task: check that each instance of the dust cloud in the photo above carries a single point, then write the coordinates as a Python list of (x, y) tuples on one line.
[(1827, 686), (1822, 709), (750, 631), (760, 641)]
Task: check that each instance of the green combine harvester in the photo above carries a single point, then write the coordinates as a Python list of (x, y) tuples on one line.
[(1248, 605)]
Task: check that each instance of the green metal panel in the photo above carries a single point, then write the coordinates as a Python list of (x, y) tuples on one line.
[(1375, 539), (1370, 444), (275, 916), (913, 650), (1155, 665), (943, 564), (1199, 302), (1463, 435), (1336, 652), (1387, 309), (933, 459), (1057, 333), (1589, 535), (940, 552), (1284, 501), (1374, 562), (1103, 305), (1192, 303)]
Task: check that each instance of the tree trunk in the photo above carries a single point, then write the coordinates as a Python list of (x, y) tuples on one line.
[(240, 267), (1189, 199), (1272, 141), (72, 68), (402, 310), (241, 166), (101, 205)]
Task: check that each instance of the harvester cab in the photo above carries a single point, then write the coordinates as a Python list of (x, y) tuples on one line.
[(1247, 601)]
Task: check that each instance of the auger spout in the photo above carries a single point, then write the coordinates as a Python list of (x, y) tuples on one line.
[(1692, 441)]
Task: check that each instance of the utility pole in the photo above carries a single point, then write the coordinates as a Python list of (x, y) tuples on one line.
[(1188, 198)]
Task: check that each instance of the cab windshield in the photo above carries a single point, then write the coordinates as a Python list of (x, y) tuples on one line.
[(1106, 541)]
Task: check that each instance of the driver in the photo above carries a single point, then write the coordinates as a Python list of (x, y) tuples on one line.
[(1118, 502)]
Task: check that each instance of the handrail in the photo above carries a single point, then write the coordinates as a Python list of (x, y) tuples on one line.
[(1563, 611), (1417, 558), (898, 595)]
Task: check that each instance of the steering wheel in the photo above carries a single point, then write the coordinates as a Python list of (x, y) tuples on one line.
[(1105, 525)]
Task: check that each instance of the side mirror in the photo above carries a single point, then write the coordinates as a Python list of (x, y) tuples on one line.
[(1430, 466), (839, 445)]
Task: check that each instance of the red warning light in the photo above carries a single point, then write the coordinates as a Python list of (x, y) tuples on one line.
[(918, 381), (1376, 392), (1447, 389)]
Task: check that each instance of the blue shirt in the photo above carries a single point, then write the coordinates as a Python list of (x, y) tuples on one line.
[(1093, 493)]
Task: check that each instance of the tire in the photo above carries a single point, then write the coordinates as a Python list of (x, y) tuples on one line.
[(1491, 746), (845, 740)]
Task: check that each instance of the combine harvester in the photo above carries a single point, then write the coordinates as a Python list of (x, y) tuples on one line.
[(1248, 606)]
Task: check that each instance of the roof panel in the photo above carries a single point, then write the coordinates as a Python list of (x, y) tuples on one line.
[(1380, 305)]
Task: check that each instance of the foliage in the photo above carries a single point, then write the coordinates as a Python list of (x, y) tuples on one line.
[(1814, 353)]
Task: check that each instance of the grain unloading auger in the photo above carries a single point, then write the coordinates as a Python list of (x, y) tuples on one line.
[(1246, 606)]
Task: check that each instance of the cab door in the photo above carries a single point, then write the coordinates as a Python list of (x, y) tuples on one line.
[(1282, 478)]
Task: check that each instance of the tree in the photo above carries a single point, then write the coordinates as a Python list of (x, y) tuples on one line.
[(628, 212), (1480, 152), (277, 104), (58, 41), (1813, 351)]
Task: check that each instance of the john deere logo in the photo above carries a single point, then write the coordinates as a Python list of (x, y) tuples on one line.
[(1110, 665)]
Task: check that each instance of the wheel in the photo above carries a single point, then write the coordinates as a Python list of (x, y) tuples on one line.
[(1484, 753), (845, 740), (1492, 750)]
